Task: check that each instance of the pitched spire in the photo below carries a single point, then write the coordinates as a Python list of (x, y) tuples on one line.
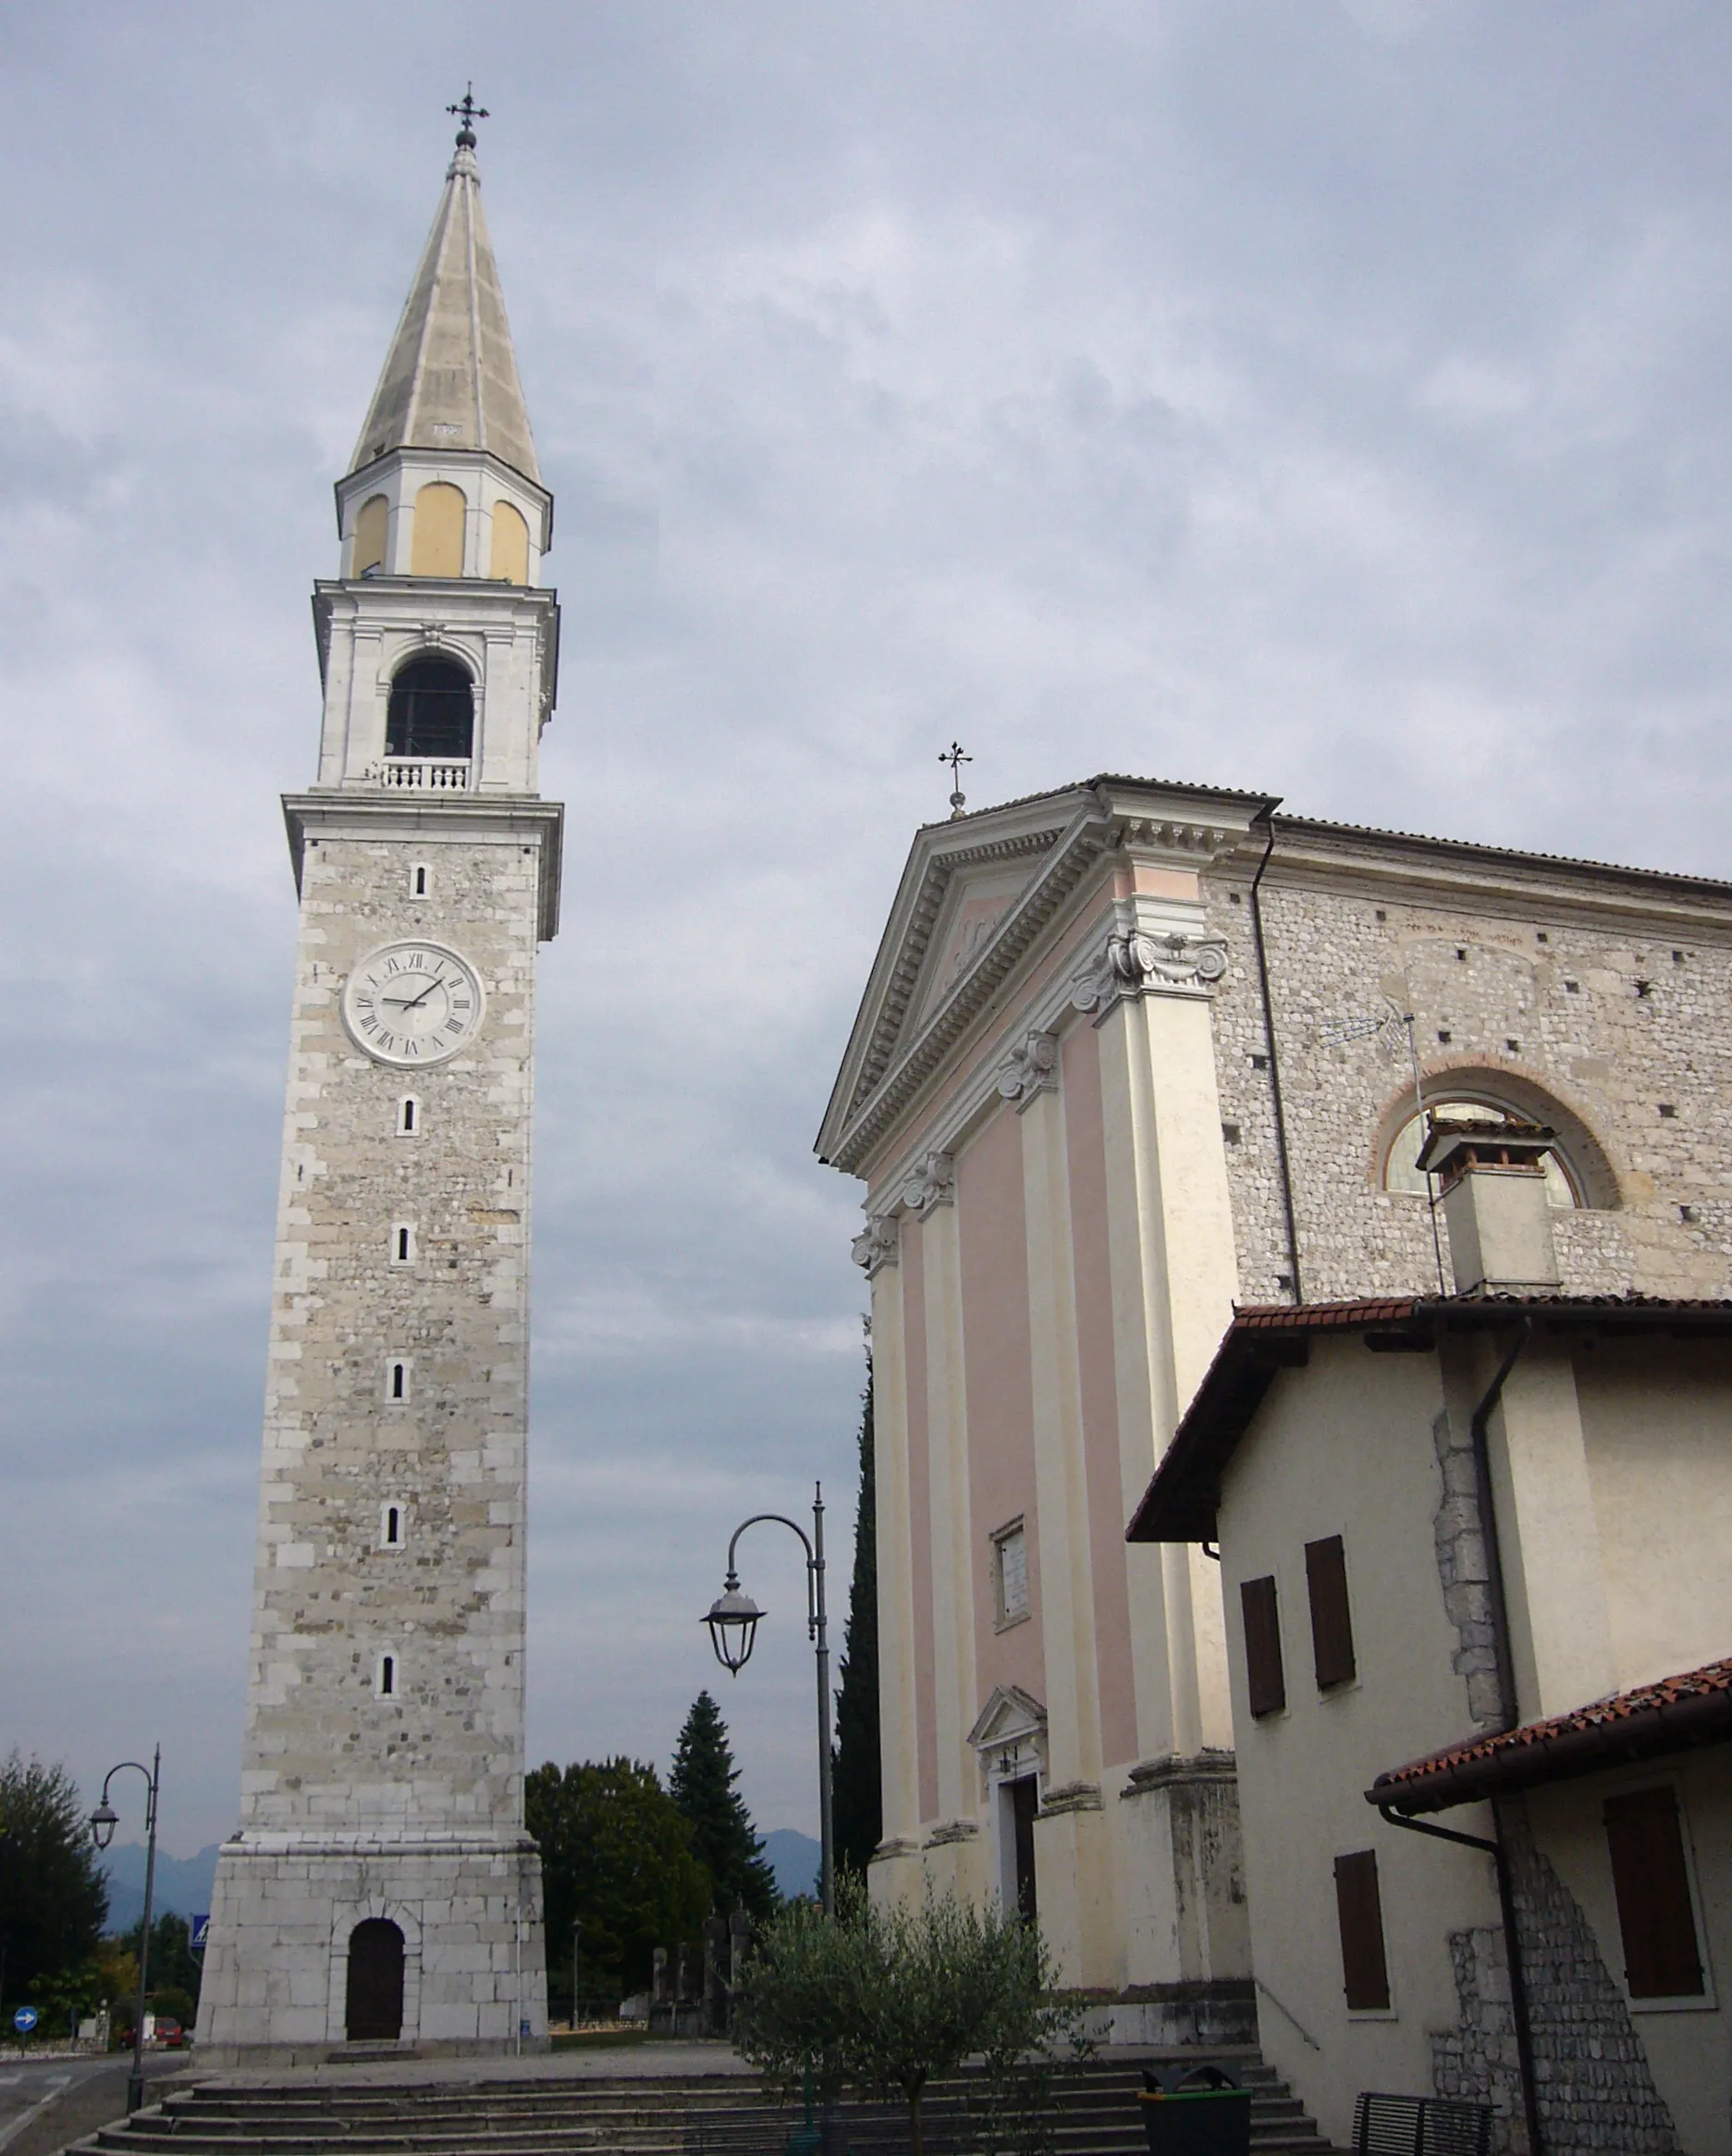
[(451, 380)]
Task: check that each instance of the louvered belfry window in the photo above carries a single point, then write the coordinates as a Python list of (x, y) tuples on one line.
[(1265, 1679), (1360, 1910), (1644, 1834), (1332, 1621)]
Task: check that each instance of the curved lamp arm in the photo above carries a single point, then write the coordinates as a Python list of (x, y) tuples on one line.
[(781, 1520)]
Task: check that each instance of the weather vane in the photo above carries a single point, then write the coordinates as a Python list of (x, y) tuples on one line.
[(956, 756), (469, 112)]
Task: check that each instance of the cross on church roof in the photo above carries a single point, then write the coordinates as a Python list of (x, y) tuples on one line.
[(469, 112), (956, 756)]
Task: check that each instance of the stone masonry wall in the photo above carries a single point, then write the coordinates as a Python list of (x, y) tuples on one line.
[(321, 1751), (1625, 1035), (1595, 2089)]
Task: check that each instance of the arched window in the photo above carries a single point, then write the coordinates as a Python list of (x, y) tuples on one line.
[(433, 710), (436, 545), (1563, 1186), (370, 526), (510, 546)]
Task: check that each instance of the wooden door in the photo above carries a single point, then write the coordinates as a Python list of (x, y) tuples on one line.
[(1025, 1804), (373, 2010)]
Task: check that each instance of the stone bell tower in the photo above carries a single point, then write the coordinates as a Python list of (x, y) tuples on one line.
[(380, 1889)]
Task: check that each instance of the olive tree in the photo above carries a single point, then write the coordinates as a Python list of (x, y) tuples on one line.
[(886, 2000)]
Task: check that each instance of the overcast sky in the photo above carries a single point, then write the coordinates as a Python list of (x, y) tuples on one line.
[(1323, 397)]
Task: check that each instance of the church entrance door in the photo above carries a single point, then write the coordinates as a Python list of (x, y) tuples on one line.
[(373, 2010), (1025, 1804)]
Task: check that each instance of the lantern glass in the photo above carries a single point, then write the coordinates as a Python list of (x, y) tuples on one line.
[(103, 1820), (733, 1621)]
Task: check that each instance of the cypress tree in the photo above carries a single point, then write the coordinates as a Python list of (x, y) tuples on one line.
[(702, 1784), (857, 1794)]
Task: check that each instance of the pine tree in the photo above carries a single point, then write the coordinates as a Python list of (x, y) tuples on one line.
[(702, 1784), (857, 1797)]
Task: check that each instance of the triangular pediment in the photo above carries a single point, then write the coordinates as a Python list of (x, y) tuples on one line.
[(1010, 1717), (977, 900), (976, 896), (962, 882)]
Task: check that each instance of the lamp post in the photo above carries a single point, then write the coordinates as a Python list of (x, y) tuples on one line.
[(103, 1820), (734, 1620)]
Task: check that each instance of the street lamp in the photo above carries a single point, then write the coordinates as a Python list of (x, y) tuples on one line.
[(103, 1820), (734, 1620)]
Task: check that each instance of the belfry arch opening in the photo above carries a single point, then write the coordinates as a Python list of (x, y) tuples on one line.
[(372, 2007), (431, 711), (1577, 1170)]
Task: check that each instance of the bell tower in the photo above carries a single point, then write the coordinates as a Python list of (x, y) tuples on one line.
[(380, 1889)]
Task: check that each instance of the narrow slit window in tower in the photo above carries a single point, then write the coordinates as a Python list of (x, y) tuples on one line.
[(408, 1117), (386, 1685), (397, 1381), (390, 1527), (418, 880), (403, 1243)]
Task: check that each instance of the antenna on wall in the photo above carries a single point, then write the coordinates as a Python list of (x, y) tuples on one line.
[(1336, 1034)]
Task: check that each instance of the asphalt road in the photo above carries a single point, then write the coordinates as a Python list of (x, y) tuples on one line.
[(78, 2086)]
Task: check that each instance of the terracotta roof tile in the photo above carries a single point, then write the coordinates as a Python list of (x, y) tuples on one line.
[(1673, 1713)]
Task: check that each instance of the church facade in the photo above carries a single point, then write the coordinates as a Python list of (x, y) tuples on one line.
[(380, 1889), (1131, 1055)]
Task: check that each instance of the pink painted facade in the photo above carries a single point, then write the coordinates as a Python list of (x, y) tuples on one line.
[(1000, 1401)]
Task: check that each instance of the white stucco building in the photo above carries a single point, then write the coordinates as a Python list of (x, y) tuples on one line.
[(379, 1887), (1473, 1552)]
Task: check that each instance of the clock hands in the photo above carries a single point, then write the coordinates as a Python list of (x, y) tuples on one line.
[(409, 1003)]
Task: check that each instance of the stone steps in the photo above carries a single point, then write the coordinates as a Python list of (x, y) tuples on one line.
[(1097, 2115)]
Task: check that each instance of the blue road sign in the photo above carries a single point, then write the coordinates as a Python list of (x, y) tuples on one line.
[(24, 2020), (199, 1937)]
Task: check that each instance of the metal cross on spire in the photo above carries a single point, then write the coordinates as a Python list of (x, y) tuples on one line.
[(956, 756), (469, 112)]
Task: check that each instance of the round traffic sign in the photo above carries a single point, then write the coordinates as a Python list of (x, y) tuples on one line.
[(24, 2020)]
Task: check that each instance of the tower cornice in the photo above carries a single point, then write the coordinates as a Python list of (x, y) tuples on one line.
[(339, 814)]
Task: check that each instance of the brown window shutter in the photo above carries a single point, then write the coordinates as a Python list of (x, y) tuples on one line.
[(1332, 1622), (1358, 1908), (1264, 1677), (1661, 1958)]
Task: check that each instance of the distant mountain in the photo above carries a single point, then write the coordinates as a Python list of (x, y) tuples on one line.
[(183, 1883), (794, 1857)]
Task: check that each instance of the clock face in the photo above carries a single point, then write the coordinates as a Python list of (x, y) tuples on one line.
[(413, 1003)]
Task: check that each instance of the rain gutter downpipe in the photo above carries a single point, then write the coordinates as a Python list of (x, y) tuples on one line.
[(1267, 816), (1507, 1714)]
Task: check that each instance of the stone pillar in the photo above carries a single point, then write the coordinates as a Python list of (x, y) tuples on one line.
[(1070, 1835), (895, 1870), (1174, 1275), (952, 1612)]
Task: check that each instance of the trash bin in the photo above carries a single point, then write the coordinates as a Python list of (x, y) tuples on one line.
[(1201, 2115)]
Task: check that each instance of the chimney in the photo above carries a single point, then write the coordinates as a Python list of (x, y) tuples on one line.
[(1493, 1178)]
